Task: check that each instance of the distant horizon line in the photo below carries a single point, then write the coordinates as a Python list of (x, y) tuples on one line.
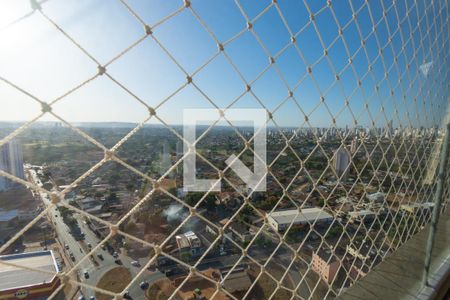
[(134, 124)]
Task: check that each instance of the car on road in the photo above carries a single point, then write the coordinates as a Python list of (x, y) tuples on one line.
[(135, 263), (144, 285), (86, 274), (174, 271)]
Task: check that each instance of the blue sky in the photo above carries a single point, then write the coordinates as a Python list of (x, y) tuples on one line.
[(38, 58)]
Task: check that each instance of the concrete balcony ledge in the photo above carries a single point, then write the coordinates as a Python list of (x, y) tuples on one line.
[(399, 276)]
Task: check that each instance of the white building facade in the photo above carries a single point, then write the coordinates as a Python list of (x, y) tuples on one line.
[(342, 162), (11, 161)]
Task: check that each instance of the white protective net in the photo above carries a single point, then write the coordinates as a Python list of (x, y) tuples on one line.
[(355, 92)]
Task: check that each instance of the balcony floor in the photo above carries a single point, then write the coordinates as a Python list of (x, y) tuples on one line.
[(399, 276)]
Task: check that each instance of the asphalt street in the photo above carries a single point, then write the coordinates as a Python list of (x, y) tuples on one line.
[(79, 252), (108, 262)]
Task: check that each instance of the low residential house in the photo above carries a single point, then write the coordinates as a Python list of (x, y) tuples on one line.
[(212, 230), (237, 281), (9, 218), (362, 250), (238, 230), (91, 205), (358, 269), (415, 208), (377, 197), (189, 242), (361, 216)]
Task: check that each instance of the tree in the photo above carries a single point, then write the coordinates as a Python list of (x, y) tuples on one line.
[(334, 231), (129, 186), (186, 256), (130, 227), (193, 198), (112, 197), (321, 202)]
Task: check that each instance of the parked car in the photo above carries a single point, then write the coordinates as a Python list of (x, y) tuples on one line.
[(89, 245), (81, 297), (86, 274), (144, 285), (135, 263), (115, 254), (118, 261), (100, 256), (72, 257), (126, 295)]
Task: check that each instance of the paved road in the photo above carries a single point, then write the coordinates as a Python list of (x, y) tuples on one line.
[(96, 272), (61, 229), (75, 247)]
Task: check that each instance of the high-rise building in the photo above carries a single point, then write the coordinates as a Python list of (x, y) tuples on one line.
[(11, 161), (165, 161), (342, 162), (354, 146), (389, 129)]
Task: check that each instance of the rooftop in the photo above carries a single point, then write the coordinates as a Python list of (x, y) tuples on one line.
[(305, 215), (6, 216), (361, 213), (14, 277), (418, 205), (326, 254), (237, 281)]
